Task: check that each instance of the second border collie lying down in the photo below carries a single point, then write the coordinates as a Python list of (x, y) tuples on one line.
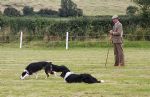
[(33, 68), (70, 77)]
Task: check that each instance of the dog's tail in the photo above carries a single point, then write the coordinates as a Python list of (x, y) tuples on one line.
[(101, 81)]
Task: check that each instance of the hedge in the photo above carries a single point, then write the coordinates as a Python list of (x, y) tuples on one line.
[(82, 26)]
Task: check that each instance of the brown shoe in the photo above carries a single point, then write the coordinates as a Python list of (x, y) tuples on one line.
[(121, 65), (116, 65)]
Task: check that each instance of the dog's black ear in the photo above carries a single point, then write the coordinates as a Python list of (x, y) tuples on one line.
[(50, 62), (23, 73)]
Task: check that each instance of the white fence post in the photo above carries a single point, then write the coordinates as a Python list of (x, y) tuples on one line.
[(67, 37), (21, 35)]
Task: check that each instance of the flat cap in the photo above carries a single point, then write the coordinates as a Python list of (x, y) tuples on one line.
[(115, 17)]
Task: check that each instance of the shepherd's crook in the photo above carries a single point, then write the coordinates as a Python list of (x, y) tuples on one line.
[(107, 56), (108, 50)]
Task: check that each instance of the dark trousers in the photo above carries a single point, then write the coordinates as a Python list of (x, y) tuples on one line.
[(119, 56)]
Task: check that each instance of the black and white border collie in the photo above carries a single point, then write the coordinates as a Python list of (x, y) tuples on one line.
[(33, 68), (71, 77)]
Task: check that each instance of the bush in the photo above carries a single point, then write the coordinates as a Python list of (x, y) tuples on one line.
[(85, 26), (10, 11), (47, 12), (131, 10), (27, 10)]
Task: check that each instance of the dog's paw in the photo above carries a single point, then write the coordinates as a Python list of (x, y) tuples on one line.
[(55, 74)]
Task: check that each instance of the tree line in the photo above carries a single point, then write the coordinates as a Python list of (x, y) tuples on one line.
[(68, 8)]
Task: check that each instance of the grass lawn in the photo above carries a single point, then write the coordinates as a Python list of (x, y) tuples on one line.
[(133, 80)]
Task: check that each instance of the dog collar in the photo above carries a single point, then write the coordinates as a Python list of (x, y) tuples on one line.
[(67, 74), (51, 68), (26, 71)]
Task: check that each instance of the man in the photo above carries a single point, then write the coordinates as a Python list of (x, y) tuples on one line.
[(116, 37)]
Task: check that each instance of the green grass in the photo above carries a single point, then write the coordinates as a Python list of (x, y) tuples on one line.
[(90, 7), (133, 80)]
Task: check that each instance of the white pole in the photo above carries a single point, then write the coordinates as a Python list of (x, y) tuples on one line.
[(21, 34), (67, 37)]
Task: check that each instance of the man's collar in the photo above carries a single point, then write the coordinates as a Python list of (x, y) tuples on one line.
[(26, 71)]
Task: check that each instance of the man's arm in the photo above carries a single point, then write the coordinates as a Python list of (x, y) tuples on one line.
[(118, 30)]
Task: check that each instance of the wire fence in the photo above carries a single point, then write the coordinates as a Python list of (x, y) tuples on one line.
[(47, 38), (72, 41)]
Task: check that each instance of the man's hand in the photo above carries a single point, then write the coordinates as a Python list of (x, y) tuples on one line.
[(111, 32)]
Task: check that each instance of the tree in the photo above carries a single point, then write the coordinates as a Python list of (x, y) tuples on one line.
[(145, 7), (27, 10), (10, 11), (131, 10), (69, 8)]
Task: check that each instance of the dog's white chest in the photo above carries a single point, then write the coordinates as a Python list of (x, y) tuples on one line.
[(67, 74)]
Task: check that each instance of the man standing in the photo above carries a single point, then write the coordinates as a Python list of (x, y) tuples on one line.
[(117, 39)]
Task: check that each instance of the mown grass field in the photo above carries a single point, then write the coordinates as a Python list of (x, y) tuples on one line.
[(133, 80), (90, 7)]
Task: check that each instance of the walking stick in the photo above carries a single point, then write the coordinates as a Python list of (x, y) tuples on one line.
[(108, 51), (107, 55)]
